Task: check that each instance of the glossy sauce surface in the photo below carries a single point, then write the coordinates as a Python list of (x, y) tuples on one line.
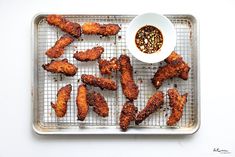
[(149, 39)]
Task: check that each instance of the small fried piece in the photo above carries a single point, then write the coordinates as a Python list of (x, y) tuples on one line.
[(72, 28), (100, 29), (175, 67), (99, 104), (128, 114), (90, 54), (58, 49), (154, 103), (103, 83), (177, 102), (81, 101), (129, 88), (106, 67), (61, 66), (175, 58), (63, 95)]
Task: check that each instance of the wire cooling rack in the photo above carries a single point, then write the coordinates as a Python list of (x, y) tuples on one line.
[(48, 84)]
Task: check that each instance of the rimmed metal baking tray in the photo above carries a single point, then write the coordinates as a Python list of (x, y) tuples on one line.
[(45, 85)]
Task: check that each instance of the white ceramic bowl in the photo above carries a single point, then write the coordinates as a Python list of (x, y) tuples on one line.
[(163, 24)]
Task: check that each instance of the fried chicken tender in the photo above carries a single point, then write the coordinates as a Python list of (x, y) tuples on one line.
[(99, 104), (103, 83), (63, 95), (106, 67), (61, 66), (72, 28), (129, 88), (128, 114), (90, 54), (81, 101), (154, 103), (100, 29), (175, 67), (58, 49), (177, 102), (175, 58)]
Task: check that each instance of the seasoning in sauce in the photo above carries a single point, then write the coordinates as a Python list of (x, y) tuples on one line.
[(149, 39)]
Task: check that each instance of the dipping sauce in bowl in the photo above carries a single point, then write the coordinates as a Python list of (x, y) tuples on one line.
[(149, 39)]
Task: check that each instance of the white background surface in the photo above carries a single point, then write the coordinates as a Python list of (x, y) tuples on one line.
[(217, 33)]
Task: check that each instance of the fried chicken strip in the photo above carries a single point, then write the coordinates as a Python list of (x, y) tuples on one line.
[(106, 67), (81, 101), (90, 54), (100, 29), (63, 95), (175, 67), (128, 114), (58, 49), (129, 88), (154, 103), (177, 102), (103, 83), (99, 104), (175, 58), (72, 28), (61, 66)]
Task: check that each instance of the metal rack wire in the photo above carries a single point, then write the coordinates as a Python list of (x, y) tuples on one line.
[(49, 84)]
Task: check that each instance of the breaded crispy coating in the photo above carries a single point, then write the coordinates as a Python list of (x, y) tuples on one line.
[(175, 67), (99, 104), (58, 49), (106, 67), (129, 88), (177, 103), (100, 29), (81, 101), (61, 66), (63, 95), (90, 54), (128, 114), (72, 28), (154, 103), (103, 83), (175, 58)]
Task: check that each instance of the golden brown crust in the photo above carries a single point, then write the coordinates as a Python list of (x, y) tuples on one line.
[(99, 104), (177, 102), (175, 59), (107, 66), (129, 88), (100, 29), (128, 114), (63, 95), (58, 49), (61, 66), (72, 28), (154, 103), (103, 83), (90, 54), (175, 67), (81, 101)]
